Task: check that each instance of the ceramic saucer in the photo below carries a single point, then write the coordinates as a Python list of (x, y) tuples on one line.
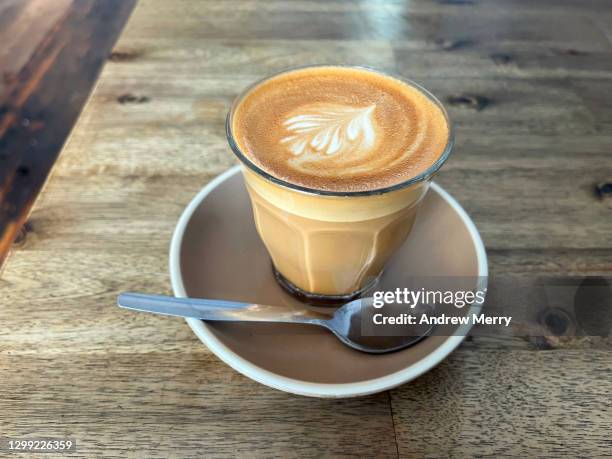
[(216, 253)]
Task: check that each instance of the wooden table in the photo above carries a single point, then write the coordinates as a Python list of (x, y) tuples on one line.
[(528, 85)]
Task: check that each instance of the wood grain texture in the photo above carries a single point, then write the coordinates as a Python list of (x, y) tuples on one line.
[(508, 404), (52, 52), (198, 408), (526, 84)]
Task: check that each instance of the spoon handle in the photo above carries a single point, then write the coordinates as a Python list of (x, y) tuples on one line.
[(216, 309)]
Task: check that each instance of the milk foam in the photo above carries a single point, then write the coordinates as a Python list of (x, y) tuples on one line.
[(339, 129)]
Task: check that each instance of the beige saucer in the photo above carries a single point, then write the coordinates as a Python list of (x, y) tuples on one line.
[(216, 253)]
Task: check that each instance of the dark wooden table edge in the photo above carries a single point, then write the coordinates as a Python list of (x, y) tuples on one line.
[(43, 101)]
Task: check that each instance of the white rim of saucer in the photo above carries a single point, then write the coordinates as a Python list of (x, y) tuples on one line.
[(311, 389)]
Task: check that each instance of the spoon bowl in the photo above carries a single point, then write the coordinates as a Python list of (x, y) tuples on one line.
[(349, 325)]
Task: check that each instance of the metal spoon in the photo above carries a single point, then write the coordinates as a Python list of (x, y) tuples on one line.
[(345, 323)]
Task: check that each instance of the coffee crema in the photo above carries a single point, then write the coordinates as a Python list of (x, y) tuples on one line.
[(339, 129)]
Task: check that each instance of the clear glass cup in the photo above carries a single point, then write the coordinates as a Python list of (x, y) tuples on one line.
[(329, 246)]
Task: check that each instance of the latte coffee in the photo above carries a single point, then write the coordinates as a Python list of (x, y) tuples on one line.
[(336, 160)]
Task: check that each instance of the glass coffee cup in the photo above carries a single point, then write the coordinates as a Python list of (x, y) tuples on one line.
[(326, 245)]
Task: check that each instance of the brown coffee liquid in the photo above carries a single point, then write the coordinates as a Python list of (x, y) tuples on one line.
[(339, 129)]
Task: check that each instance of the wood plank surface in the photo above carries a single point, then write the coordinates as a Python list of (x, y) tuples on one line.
[(526, 85), (51, 54), (199, 408), (500, 403)]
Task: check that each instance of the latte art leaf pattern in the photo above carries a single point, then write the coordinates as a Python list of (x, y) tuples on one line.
[(331, 130)]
